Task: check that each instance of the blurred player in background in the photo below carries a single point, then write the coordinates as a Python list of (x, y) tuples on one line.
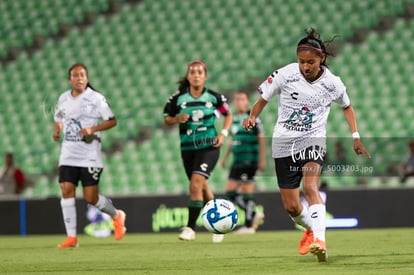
[(249, 154), (78, 114), (305, 91), (407, 168), (194, 108), (12, 181)]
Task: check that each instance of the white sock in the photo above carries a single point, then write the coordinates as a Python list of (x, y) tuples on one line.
[(69, 215), (106, 206), (303, 218), (317, 214)]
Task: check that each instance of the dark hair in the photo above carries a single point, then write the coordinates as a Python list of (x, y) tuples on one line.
[(183, 83), (313, 42), (86, 70), (243, 93)]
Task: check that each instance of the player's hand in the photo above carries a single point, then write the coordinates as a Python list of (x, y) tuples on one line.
[(56, 135), (261, 166), (86, 131), (219, 141), (223, 163), (249, 123), (182, 118), (360, 149)]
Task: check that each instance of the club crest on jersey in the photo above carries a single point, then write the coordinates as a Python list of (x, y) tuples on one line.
[(209, 104), (300, 120)]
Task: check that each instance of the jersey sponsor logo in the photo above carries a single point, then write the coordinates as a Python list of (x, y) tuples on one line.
[(72, 130), (293, 78), (300, 120), (197, 115)]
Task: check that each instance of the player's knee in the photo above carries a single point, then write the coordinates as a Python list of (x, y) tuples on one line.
[(91, 199), (292, 209)]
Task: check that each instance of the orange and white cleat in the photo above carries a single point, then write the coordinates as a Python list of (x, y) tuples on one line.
[(119, 225), (318, 248), (305, 242), (70, 242)]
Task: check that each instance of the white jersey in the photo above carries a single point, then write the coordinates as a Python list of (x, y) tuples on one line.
[(303, 108), (77, 113)]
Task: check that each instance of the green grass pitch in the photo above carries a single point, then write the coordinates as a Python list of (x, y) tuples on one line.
[(379, 251)]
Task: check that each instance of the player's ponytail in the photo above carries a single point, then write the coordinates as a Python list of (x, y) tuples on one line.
[(313, 42)]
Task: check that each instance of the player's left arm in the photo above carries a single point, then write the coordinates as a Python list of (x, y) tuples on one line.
[(262, 152), (350, 117), (104, 125), (228, 120), (109, 120)]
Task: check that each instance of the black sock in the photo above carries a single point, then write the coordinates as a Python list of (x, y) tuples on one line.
[(250, 205), (194, 209), (236, 198)]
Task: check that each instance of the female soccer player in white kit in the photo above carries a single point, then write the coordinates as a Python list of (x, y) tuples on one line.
[(305, 91), (78, 114)]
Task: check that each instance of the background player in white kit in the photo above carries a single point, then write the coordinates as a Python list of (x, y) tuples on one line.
[(299, 145), (78, 114)]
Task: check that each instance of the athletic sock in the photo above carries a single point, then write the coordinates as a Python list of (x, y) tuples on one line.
[(317, 214), (69, 215), (250, 205), (105, 205), (194, 208), (236, 198), (303, 219)]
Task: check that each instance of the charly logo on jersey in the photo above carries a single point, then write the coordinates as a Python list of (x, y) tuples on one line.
[(299, 120), (72, 130)]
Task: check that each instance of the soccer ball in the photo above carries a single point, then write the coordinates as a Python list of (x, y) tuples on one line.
[(219, 216)]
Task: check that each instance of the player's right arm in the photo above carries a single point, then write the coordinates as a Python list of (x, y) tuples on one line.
[(172, 120), (257, 108), (171, 112), (56, 132)]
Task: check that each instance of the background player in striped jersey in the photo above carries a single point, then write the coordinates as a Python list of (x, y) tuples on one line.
[(194, 108), (305, 91), (249, 154), (78, 114)]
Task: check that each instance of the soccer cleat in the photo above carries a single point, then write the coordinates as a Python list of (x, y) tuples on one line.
[(245, 230), (187, 234), (217, 238), (119, 225), (69, 242), (257, 220), (305, 242), (318, 248)]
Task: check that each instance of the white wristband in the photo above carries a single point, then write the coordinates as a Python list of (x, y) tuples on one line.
[(224, 132), (355, 135)]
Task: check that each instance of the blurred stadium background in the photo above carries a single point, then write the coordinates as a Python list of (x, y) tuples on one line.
[(137, 50)]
